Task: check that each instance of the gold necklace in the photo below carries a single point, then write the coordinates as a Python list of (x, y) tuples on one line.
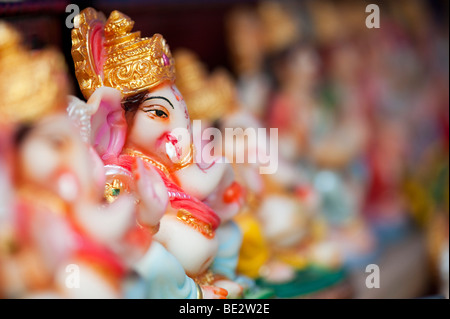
[(186, 161), (147, 159)]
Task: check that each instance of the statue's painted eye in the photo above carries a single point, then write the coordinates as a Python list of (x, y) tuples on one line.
[(157, 111), (160, 113)]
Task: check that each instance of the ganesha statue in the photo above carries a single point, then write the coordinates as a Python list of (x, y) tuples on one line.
[(54, 223), (137, 122)]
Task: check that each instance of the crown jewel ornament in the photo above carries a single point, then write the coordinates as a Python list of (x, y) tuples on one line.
[(107, 53)]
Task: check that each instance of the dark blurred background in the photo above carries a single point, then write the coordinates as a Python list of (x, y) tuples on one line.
[(193, 24)]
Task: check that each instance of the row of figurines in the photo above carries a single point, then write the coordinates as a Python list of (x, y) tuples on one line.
[(106, 198)]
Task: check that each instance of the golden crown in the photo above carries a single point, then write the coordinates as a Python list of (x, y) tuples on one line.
[(207, 96), (107, 53), (32, 84)]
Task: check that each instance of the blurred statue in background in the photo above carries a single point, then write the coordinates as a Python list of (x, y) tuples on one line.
[(282, 235), (58, 237), (246, 46)]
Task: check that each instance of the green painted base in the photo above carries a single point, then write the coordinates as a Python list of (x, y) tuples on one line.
[(306, 282), (259, 293)]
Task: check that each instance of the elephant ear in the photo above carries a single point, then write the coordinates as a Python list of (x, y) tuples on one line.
[(108, 124), (101, 122), (88, 50)]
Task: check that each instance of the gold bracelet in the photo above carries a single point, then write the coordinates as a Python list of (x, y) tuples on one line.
[(199, 291)]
